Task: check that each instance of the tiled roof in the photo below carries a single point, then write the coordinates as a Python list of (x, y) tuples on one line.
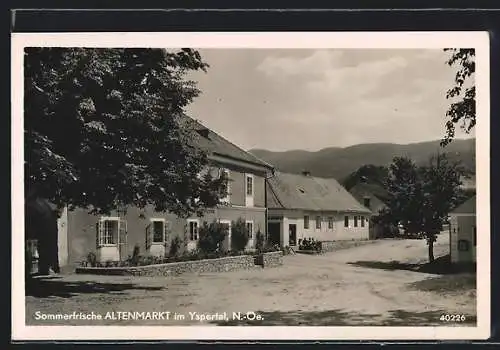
[(292, 191), (364, 190), (468, 207), (212, 142)]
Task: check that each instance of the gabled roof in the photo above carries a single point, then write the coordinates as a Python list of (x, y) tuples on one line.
[(372, 191), (215, 144), (293, 191), (468, 207)]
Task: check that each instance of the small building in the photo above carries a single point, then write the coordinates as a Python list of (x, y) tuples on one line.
[(463, 232), (302, 206)]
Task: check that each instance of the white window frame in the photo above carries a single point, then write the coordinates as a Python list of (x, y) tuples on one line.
[(249, 176), (330, 223), (348, 221), (189, 221), (362, 221), (355, 222), (227, 198), (102, 228), (164, 222), (308, 222), (316, 222), (251, 233)]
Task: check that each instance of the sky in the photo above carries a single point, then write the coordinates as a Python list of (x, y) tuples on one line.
[(285, 99)]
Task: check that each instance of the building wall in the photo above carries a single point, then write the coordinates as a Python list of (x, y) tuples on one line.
[(62, 238), (338, 232), (461, 228)]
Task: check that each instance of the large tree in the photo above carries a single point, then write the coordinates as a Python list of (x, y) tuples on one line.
[(422, 197), (102, 129), (463, 108)]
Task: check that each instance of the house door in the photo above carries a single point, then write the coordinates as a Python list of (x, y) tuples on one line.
[(274, 230), (292, 235)]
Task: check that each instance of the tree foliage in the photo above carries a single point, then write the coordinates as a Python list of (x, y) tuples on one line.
[(102, 129), (463, 109), (421, 198)]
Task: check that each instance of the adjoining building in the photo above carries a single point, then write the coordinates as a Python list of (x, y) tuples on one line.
[(302, 206), (463, 232)]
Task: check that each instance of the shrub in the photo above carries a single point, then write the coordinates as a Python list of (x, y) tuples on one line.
[(92, 259), (310, 244), (239, 235), (175, 244), (259, 240), (211, 237)]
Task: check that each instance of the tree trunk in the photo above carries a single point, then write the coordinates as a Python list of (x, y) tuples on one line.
[(431, 250)]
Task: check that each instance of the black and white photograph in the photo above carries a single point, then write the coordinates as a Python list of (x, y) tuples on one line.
[(241, 181)]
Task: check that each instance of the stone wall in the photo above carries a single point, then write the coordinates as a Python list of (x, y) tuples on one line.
[(270, 259), (330, 246), (232, 263)]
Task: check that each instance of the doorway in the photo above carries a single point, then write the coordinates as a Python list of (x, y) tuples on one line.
[(292, 235), (274, 230)]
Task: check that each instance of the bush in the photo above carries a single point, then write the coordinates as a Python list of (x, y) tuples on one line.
[(259, 240), (239, 235), (175, 244), (92, 259), (211, 237), (310, 244)]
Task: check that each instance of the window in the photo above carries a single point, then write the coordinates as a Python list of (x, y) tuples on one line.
[(306, 222), (193, 230), (249, 185), (346, 221), (225, 172), (366, 202), (249, 225), (474, 237), (330, 222), (159, 227), (318, 222), (355, 221), (362, 218), (107, 231)]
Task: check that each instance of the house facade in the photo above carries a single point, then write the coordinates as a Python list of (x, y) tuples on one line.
[(302, 206), (113, 237), (463, 232)]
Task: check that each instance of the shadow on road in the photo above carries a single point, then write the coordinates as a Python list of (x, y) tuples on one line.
[(53, 286), (440, 266)]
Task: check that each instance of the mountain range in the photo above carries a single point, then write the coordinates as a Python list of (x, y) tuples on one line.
[(338, 162)]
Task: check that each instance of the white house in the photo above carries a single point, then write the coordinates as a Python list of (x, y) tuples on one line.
[(302, 206), (463, 232)]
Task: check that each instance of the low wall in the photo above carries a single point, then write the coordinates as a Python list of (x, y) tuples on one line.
[(330, 246), (270, 259), (231, 263)]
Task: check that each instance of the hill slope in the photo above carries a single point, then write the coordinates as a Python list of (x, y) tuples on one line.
[(340, 162)]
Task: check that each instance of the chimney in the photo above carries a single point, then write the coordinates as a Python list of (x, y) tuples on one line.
[(306, 173)]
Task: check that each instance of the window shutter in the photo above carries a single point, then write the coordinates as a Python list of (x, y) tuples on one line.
[(167, 227), (148, 236)]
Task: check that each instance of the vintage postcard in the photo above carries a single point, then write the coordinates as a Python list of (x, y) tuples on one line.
[(264, 186)]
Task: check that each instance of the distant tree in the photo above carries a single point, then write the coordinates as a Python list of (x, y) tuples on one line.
[(422, 197), (102, 129), (463, 110), (239, 235)]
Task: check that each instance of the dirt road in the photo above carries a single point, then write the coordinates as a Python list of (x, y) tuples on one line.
[(356, 286)]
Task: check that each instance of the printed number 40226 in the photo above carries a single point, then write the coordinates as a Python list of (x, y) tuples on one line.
[(452, 318)]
